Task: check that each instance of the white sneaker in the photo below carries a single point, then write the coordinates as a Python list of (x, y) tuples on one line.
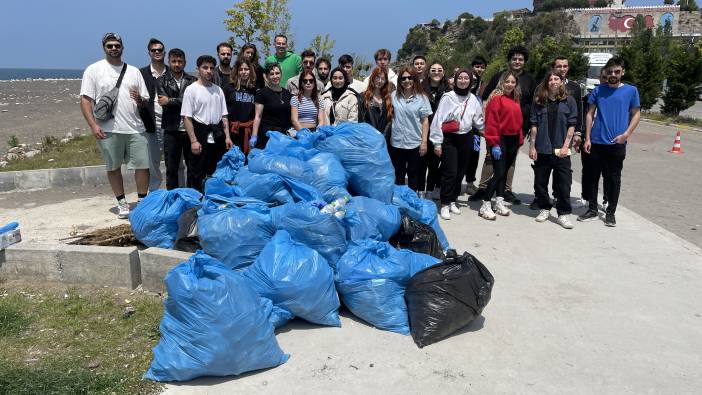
[(454, 208), (445, 213), (486, 211), (436, 195), (543, 215), (122, 209), (500, 207), (564, 222)]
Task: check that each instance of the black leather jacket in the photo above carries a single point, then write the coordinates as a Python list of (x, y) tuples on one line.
[(166, 86)]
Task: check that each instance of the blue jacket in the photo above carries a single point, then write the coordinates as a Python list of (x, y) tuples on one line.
[(567, 116)]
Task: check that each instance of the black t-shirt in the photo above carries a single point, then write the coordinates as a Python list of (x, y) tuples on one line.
[(552, 109), (276, 109), (240, 103)]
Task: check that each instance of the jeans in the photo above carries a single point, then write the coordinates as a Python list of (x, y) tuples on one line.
[(498, 182), (544, 165), (176, 149), (406, 162), (607, 160), (453, 163)]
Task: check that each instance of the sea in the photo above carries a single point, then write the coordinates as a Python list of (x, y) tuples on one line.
[(40, 74)]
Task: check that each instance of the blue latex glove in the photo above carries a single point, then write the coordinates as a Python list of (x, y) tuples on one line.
[(476, 143), (496, 152), (252, 141)]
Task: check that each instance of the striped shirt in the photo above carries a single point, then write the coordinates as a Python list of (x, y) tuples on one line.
[(306, 111)]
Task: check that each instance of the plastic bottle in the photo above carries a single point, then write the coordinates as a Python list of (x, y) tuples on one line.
[(335, 205), (9, 227)]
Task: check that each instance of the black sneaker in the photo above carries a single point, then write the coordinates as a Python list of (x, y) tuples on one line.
[(590, 215), (511, 198), (478, 195), (610, 221)]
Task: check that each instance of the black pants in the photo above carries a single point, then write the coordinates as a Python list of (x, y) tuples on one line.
[(176, 146), (430, 164), (203, 165), (454, 153), (607, 160), (406, 162), (262, 138), (544, 165), (510, 148), (473, 156)]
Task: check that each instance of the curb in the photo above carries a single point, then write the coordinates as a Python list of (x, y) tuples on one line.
[(125, 267), (15, 181), (672, 125)]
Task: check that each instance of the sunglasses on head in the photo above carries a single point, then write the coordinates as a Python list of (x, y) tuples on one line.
[(406, 78), (156, 50), (113, 46)]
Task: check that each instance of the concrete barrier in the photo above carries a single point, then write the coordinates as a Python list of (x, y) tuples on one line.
[(155, 264)]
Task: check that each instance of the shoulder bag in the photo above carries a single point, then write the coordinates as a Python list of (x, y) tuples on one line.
[(104, 108), (454, 125)]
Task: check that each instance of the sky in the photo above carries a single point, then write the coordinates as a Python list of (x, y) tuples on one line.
[(66, 34)]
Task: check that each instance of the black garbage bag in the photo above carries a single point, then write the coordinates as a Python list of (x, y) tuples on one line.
[(188, 239), (446, 297), (418, 237)]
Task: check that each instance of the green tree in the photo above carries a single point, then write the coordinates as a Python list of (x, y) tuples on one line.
[(688, 5), (361, 65), (322, 46), (258, 21), (684, 78), (440, 51), (542, 54)]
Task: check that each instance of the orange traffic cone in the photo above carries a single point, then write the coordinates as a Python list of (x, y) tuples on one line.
[(676, 145)]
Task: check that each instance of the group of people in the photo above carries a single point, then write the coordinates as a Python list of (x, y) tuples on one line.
[(433, 122)]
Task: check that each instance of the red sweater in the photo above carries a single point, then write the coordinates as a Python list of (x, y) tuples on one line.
[(503, 116)]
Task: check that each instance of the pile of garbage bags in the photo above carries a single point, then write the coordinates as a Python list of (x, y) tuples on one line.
[(310, 222)]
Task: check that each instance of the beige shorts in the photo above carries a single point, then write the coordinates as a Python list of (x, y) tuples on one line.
[(119, 148)]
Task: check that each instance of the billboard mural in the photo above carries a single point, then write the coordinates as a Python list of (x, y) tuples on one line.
[(594, 22)]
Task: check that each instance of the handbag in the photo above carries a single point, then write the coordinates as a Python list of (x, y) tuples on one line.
[(104, 108), (454, 125)]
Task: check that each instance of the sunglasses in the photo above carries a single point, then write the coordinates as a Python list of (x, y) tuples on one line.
[(406, 78), (612, 72), (156, 50), (308, 81), (436, 70), (113, 46), (308, 62)]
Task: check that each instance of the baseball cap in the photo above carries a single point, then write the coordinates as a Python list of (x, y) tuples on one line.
[(111, 37)]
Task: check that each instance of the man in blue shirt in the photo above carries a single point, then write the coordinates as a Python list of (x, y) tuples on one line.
[(618, 113)]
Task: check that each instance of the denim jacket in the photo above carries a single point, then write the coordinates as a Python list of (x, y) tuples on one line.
[(567, 116)]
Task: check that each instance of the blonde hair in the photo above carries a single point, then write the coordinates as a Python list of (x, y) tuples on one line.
[(500, 88)]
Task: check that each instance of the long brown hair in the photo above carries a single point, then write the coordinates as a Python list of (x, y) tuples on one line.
[(541, 96), (234, 76), (417, 88), (300, 89), (385, 92)]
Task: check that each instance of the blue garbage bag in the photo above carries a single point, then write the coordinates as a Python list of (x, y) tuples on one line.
[(364, 154), (214, 324), (328, 176), (232, 234), (219, 187), (301, 191), (321, 232), (270, 188), (229, 165), (282, 144), (297, 279), (418, 209), (264, 162), (277, 316), (371, 279), (154, 221), (368, 218)]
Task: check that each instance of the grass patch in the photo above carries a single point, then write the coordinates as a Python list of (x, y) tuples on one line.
[(679, 120), (80, 151), (59, 340)]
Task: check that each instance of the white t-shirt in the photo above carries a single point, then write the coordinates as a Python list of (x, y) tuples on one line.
[(99, 78), (205, 104)]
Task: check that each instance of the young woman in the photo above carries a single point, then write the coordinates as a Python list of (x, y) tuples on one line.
[(435, 86), (340, 102), (240, 94), (272, 108), (410, 128), (553, 118), (250, 53), (503, 136), (377, 102), (305, 107), (457, 114)]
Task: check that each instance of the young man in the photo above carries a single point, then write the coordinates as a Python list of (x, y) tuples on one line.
[(478, 68), (205, 119), (346, 63), (382, 59), (308, 59), (290, 63), (618, 114), (152, 112), (322, 69), (224, 69), (170, 88), (121, 138), (420, 64), (516, 59)]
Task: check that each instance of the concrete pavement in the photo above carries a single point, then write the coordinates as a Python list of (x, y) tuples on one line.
[(588, 310)]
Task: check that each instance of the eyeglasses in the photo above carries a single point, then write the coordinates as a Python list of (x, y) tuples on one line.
[(308, 81), (113, 46), (156, 50), (406, 78)]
